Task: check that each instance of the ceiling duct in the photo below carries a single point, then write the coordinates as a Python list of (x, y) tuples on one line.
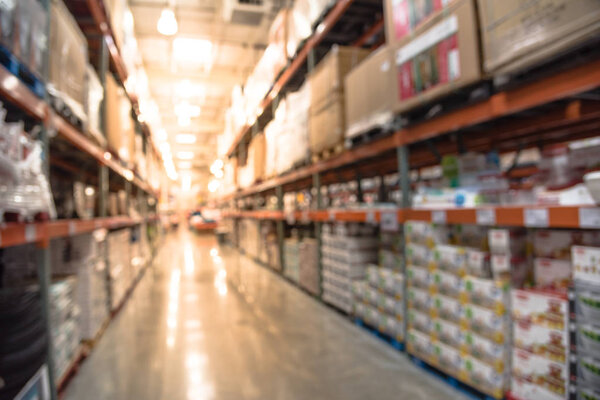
[(245, 12)]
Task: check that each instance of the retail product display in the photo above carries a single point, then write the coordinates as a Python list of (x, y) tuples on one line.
[(347, 250), (309, 277), (291, 256), (469, 313), (120, 269), (327, 123), (24, 189), (64, 314), (67, 73)]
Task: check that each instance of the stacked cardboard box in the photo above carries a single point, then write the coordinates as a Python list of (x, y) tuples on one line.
[(309, 266), (291, 257), (435, 49), (119, 265), (65, 336), (517, 36), (68, 64), (327, 109), (119, 124), (347, 250), (466, 315), (370, 93), (586, 273)]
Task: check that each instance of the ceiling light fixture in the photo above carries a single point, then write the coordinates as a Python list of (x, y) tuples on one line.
[(193, 51), (213, 185), (167, 23), (185, 138)]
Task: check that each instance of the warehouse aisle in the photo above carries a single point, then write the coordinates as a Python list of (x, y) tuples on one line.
[(206, 323)]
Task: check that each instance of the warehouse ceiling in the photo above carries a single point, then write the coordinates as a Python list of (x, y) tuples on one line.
[(196, 68)]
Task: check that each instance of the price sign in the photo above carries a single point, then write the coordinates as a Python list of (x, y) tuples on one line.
[(438, 217), (536, 217), (371, 219), (331, 215), (589, 217), (304, 217), (30, 233), (389, 221), (486, 216), (72, 228)]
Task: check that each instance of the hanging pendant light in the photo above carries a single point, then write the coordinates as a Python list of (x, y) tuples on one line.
[(167, 23)]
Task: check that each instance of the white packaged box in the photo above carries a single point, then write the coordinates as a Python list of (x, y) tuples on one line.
[(586, 264)]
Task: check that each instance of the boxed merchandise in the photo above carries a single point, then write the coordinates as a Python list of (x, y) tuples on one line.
[(390, 305), (448, 358), (418, 255), (278, 37), (391, 326), (541, 308), (586, 264), (367, 93), (557, 243), (588, 371), (588, 340), (309, 265), (419, 300), (424, 233), (516, 269), (419, 344), (486, 350), (507, 241), (447, 332), (486, 293), (517, 35), (327, 79), (119, 125), (548, 379), (447, 308), (420, 321), (588, 301), (326, 126), (68, 66), (389, 281), (484, 322), (419, 277), (484, 376), (256, 156), (30, 29), (95, 95), (8, 10), (442, 57), (446, 283), (473, 236), (541, 340), (550, 273), (478, 263), (389, 259), (452, 259), (403, 17)]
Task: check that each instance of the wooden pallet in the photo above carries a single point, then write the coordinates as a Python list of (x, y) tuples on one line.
[(373, 133), (21, 71), (328, 153)]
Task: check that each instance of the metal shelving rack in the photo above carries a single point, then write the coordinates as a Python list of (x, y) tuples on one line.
[(39, 110)]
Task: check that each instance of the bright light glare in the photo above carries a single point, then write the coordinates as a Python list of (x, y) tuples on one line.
[(165, 148), (161, 135), (184, 121), (188, 260), (186, 182), (185, 155), (185, 138), (167, 23), (213, 185), (187, 109), (214, 252), (190, 50), (89, 191), (184, 164), (186, 89)]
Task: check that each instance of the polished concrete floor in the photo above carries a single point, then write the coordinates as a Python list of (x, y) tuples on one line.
[(206, 323)]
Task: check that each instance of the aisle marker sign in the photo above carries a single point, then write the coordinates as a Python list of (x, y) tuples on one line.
[(486, 216), (537, 217), (589, 217), (438, 217), (30, 233), (389, 221)]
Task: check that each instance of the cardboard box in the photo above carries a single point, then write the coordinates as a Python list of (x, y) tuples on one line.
[(443, 56), (586, 264), (368, 97), (68, 65), (119, 124), (402, 17), (327, 79), (327, 126), (549, 378), (518, 35), (550, 273), (256, 156), (94, 97), (540, 340), (546, 309)]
